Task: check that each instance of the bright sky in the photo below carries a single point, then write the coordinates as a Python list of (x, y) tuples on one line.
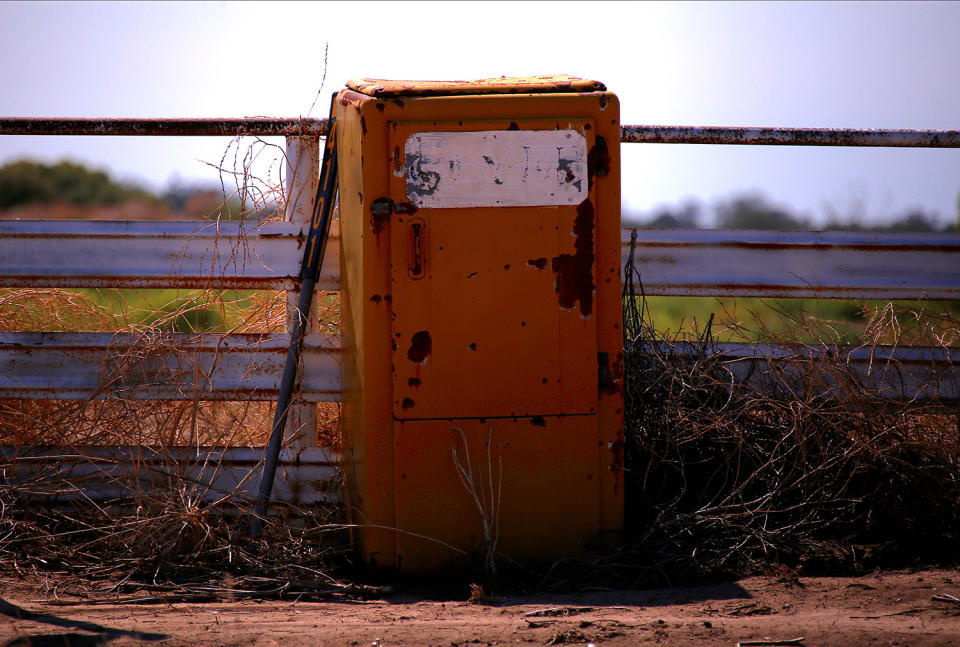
[(861, 65)]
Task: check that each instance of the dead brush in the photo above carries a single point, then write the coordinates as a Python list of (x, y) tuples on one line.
[(806, 462), (175, 544), (161, 528)]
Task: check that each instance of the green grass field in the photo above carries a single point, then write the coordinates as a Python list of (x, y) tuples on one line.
[(734, 319), (107, 310), (806, 320)]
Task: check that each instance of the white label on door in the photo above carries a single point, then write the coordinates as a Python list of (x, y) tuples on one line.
[(496, 168)]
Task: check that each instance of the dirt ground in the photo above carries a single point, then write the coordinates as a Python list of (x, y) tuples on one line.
[(893, 608)]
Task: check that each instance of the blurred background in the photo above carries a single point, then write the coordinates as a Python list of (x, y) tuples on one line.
[(833, 65), (859, 65)]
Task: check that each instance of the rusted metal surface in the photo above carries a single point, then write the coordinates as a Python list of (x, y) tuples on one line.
[(808, 372), (383, 88), (837, 265), (257, 126), (285, 126), (175, 366), (121, 474), (155, 254), (789, 136), (433, 298)]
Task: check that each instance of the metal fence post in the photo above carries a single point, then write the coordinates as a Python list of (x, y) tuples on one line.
[(302, 177)]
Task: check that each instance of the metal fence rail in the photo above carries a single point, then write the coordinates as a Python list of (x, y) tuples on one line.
[(209, 367), (815, 372), (246, 256), (833, 264), (104, 475), (155, 254), (270, 126), (789, 136), (248, 126), (670, 262), (154, 366)]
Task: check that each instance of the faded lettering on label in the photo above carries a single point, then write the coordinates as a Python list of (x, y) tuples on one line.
[(496, 168)]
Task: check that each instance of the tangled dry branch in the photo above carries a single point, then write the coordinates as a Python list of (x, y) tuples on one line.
[(161, 520), (805, 464)]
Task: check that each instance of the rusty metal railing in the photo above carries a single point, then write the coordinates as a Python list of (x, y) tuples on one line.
[(678, 262), (254, 126), (789, 136), (276, 126), (161, 254), (692, 263), (82, 366)]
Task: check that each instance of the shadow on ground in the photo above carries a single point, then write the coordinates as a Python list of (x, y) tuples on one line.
[(98, 634)]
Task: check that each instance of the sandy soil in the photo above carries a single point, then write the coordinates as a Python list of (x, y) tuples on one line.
[(896, 608)]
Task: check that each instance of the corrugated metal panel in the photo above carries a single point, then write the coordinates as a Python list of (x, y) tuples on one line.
[(69, 366), (840, 265), (155, 254), (903, 373), (122, 474)]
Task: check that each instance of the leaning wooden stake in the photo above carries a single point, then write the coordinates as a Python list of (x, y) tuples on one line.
[(309, 275)]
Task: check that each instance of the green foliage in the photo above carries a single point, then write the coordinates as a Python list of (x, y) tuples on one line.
[(913, 221), (685, 216), (27, 182), (755, 212), (171, 310)]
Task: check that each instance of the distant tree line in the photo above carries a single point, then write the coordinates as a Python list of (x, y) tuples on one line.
[(26, 182), (755, 211)]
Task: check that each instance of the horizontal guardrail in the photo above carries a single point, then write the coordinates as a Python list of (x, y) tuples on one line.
[(681, 262), (172, 366), (813, 372), (830, 264), (70, 366), (110, 475), (156, 254), (241, 255)]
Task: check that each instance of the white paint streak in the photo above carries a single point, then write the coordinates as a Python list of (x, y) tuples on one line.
[(496, 168)]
